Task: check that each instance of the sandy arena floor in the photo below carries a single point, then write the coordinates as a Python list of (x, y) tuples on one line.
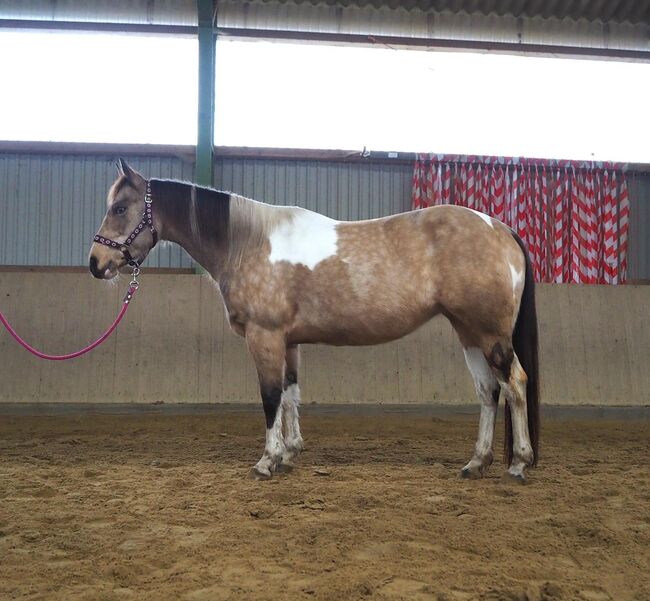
[(158, 507)]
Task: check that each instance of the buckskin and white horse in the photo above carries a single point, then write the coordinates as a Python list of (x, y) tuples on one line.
[(289, 276)]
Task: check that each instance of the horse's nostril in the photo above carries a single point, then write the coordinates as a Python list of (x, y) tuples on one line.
[(92, 265)]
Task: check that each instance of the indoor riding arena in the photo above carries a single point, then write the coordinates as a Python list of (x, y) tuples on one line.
[(448, 401)]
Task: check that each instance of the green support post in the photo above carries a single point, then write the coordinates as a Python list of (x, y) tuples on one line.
[(205, 136), (205, 131)]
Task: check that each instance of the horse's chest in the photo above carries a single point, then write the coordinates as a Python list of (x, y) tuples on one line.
[(261, 299)]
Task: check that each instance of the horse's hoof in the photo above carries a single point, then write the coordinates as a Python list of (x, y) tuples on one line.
[(518, 478), (468, 473), (285, 468), (258, 473)]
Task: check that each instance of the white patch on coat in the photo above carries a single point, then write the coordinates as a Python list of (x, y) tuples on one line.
[(484, 217), (485, 382), (307, 239), (479, 368), (517, 278), (274, 448), (292, 437)]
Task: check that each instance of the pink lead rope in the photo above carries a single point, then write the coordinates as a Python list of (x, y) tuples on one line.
[(133, 286), (147, 220)]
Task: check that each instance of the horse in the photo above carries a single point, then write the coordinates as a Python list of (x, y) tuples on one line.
[(289, 276)]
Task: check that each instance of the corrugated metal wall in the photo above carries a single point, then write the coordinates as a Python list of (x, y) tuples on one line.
[(337, 189), (51, 205), (639, 248)]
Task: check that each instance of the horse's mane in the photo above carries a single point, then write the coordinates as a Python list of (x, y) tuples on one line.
[(250, 225), (215, 216)]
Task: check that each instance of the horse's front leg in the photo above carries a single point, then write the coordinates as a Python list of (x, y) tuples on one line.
[(268, 349), (290, 403)]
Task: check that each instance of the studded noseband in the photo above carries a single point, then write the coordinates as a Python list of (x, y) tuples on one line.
[(147, 220)]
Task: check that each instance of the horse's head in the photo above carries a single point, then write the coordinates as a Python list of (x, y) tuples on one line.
[(124, 233)]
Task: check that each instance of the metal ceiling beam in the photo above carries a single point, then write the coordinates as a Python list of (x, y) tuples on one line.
[(97, 26), (437, 43)]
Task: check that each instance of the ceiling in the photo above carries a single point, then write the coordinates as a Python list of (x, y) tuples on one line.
[(635, 12), (616, 11)]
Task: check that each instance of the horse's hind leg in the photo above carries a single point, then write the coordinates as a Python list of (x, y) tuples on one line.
[(290, 402), (268, 350), (487, 390), (512, 378)]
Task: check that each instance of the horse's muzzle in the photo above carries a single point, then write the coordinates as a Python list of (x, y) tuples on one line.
[(100, 274)]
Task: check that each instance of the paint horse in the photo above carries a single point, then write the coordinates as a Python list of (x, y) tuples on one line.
[(289, 276)]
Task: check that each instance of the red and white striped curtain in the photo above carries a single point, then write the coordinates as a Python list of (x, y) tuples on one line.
[(573, 216)]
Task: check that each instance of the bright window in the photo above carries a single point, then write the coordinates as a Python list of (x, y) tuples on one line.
[(127, 88), (90, 87), (319, 96)]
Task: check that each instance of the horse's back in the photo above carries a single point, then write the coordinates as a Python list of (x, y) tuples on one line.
[(390, 275), (435, 253)]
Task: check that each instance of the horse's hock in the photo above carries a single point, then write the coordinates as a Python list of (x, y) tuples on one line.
[(175, 346)]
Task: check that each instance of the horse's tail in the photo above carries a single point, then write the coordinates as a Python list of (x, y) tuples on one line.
[(525, 343)]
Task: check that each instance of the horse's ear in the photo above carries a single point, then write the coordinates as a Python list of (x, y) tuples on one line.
[(124, 169), (121, 166)]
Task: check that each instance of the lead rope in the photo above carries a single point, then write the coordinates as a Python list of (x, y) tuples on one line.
[(131, 290)]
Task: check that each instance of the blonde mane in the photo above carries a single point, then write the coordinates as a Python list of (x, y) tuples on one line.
[(250, 225)]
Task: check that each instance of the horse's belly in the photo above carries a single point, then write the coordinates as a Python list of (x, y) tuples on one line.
[(347, 329)]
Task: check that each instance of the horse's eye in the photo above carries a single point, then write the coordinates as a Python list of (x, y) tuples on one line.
[(119, 210)]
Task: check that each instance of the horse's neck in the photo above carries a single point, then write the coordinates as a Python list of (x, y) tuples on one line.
[(218, 236), (182, 225)]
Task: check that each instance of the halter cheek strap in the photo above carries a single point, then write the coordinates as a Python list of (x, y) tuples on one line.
[(146, 221)]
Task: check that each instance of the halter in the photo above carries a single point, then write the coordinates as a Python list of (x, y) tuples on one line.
[(147, 220)]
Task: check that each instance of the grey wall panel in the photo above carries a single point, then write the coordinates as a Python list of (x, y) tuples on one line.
[(340, 190), (51, 206), (639, 245), (595, 354)]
